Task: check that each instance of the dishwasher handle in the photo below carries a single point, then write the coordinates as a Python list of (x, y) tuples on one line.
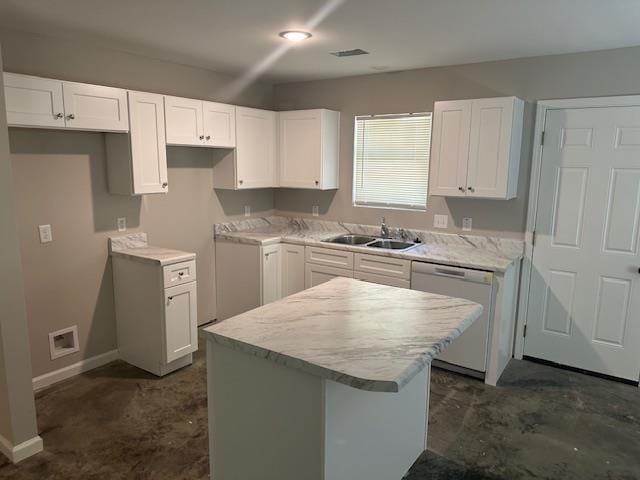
[(464, 274)]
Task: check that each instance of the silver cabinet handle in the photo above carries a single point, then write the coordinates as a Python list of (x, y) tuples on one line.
[(58, 115), (317, 183), (208, 137), (165, 185), (471, 189), (240, 182), (461, 189), (71, 116), (169, 298), (201, 137)]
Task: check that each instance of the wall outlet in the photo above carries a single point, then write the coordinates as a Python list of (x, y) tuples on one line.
[(64, 342), (247, 210), (315, 211), (440, 221), (122, 224), (467, 224), (45, 233)]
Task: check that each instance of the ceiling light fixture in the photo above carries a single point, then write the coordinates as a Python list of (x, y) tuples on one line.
[(295, 35)]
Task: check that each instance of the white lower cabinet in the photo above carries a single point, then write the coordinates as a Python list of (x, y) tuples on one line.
[(317, 274), (180, 321), (382, 279), (292, 268), (156, 314), (271, 274)]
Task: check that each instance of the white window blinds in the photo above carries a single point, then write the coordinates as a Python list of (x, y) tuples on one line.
[(391, 160)]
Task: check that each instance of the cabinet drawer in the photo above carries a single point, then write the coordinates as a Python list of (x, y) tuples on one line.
[(383, 280), (329, 257), (392, 267), (179, 273), (317, 274)]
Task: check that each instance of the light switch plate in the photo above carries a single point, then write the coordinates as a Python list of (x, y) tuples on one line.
[(45, 233), (122, 224), (440, 221), (467, 224), (315, 211), (247, 210)]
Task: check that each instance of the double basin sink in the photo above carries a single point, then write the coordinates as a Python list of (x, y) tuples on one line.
[(372, 242)]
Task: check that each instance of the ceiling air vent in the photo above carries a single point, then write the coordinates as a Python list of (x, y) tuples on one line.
[(350, 53)]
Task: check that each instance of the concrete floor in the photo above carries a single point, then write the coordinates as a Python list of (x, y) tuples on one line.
[(118, 422)]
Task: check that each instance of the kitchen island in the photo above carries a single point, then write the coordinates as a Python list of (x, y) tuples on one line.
[(331, 383)]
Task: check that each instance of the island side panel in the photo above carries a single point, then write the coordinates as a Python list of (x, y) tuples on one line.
[(375, 435), (265, 420)]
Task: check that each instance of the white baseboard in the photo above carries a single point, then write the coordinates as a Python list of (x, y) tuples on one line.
[(72, 370), (17, 453)]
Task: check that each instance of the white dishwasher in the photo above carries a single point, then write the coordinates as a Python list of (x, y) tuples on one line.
[(468, 352)]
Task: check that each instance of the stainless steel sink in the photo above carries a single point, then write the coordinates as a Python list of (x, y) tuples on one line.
[(391, 244), (350, 239), (372, 242)]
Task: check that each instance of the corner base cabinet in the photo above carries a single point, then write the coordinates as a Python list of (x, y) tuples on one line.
[(156, 313), (476, 147)]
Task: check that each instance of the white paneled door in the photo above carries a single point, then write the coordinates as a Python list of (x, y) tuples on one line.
[(584, 301)]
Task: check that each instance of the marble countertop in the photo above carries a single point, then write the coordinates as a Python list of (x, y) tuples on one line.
[(483, 253), (134, 246), (368, 336)]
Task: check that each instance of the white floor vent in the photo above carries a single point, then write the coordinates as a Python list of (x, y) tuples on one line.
[(63, 342)]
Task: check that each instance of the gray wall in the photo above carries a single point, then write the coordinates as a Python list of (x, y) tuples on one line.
[(17, 408), (59, 178), (611, 72)]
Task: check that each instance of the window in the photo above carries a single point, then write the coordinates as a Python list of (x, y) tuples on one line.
[(391, 161)]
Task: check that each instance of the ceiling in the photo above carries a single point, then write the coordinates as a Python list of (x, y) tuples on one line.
[(240, 36)]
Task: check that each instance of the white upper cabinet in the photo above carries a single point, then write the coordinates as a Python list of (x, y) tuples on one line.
[(183, 117), (42, 102), (33, 101), (476, 148), (200, 124), (219, 122), (309, 149), (137, 162), (450, 148), (94, 107), (253, 162)]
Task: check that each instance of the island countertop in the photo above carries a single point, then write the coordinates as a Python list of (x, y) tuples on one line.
[(368, 336)]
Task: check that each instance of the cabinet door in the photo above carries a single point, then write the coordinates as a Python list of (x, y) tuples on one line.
[(317, 274), (300, 149), (271, 274), (183, 117), (33, 101), (148, 147), (292, 269), (94, 107), (488, 170), (180, 321), (382, 280), (450, 148), (255, 148), (219, 124)]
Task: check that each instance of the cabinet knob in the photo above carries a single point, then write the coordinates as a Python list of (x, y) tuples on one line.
[(461, 189), (71, 116), (208, 137), (471, 189), (201, 137), (317, 183), (169, 298), (165, 185), (240, 182), (58, 115)]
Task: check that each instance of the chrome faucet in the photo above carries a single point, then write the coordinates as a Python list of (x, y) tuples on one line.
[(384, 230)]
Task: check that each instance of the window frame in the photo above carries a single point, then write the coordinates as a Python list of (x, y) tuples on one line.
[(389, 206)]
